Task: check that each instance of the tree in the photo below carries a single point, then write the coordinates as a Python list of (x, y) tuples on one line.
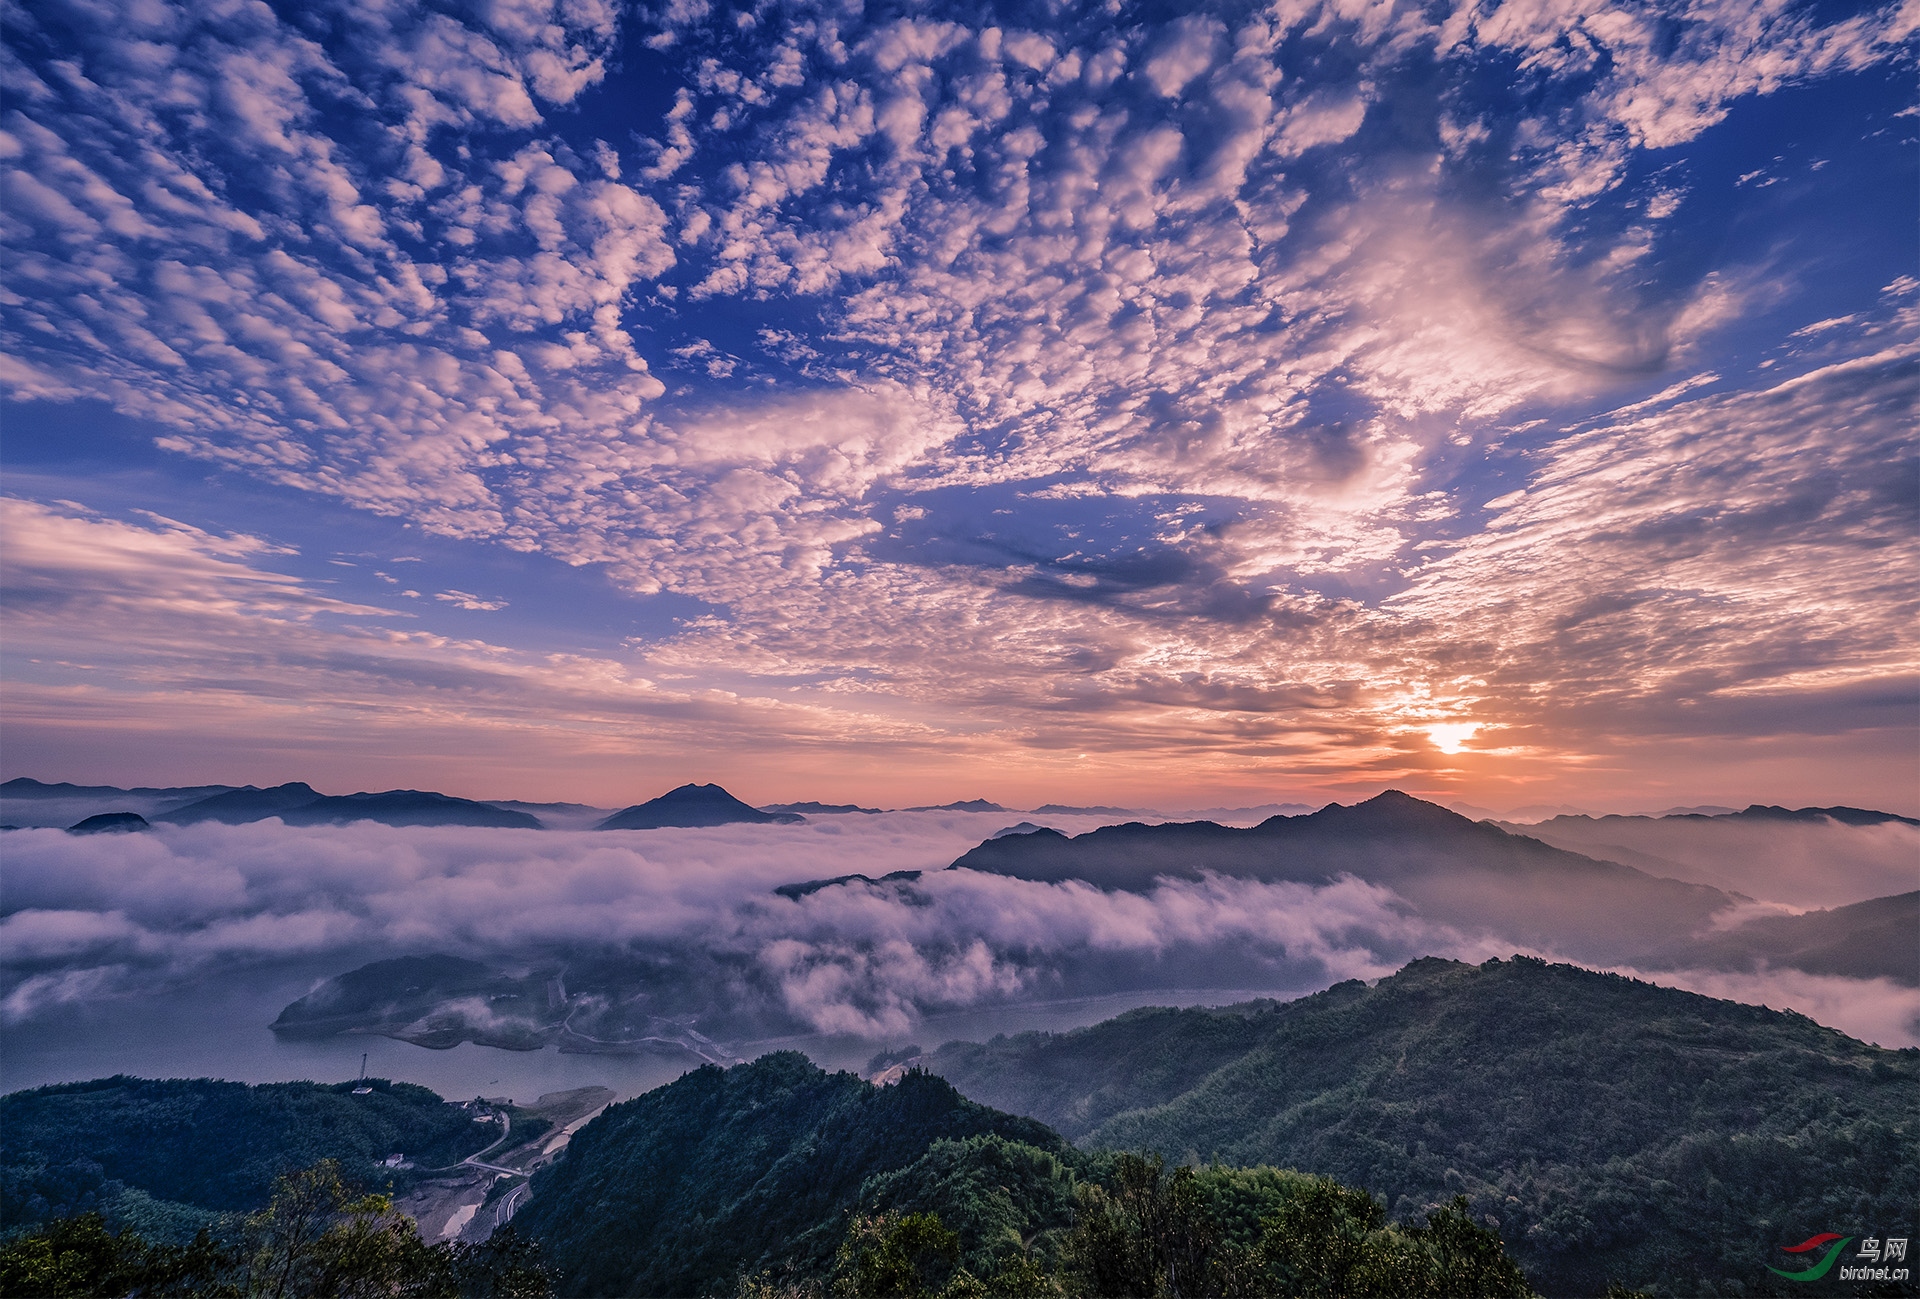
[(896, 1256), (1329, 1241), (1322, 1238), (506, 1265), (74, 1257), (317, 1239), (78, 1258), (1150, 1233)]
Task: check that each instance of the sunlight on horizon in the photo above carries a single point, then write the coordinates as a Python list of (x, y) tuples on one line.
[(1452, 737)]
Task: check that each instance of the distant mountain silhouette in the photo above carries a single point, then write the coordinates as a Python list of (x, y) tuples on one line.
[(27, 787), (970, 805), (1467, 874), (1753, 812), (1867, 940), (239, 806), (819, 809), (1063, 809), (1262, 810), (384, 994), (693, 806), (28, 802), (298, 803), (404, 807), (1844, 815), (1479, 879), (110, 823), (1809, 857), (798, 891)]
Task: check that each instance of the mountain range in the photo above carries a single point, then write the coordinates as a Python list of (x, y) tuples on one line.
[(28, 802), (771, 1179), (1806, 857), (1610, 1132), (1610, 1128), (1475, 877), (295, 803), (1471, 879)]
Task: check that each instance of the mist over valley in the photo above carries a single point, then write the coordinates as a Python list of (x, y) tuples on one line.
[(859, 930)]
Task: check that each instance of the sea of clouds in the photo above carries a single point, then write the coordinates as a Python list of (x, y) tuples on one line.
[(98, 917)]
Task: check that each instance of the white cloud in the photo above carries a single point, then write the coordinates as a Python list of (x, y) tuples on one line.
[(159, 630), (467, 600), (91, 918), (1724, 556), (187, 902), (1187, 49), (1874, 1010), (1290, 270)]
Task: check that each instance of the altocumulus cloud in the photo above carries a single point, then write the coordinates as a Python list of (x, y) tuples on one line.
[(1096, 378), (214, 638)]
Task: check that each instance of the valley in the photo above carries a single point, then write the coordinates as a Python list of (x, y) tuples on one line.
[(1597, 1130)]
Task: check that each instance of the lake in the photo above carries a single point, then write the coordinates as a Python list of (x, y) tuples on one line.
[(221, 1031)]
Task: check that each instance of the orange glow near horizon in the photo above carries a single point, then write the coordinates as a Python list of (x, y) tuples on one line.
[(1188, 410)]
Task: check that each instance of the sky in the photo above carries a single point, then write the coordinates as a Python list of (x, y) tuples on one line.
[(1156, 405)]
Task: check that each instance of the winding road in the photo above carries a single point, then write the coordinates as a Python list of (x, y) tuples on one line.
[(509, 1206), (533, 1153)]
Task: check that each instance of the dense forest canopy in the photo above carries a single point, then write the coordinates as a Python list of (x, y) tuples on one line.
[(168, 1155), (678, 1190), (1450, 1130), (1608, 1128), (778, 1179), (318, 1237)]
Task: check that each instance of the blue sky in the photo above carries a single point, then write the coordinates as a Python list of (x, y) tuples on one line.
[(1510, 402)]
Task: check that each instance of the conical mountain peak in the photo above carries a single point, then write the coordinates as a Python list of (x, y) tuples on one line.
[(693, 806)]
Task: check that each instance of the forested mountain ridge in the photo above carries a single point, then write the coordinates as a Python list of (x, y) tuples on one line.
[(1611, 1128), (675, 1191), (983, 1216), (1875, 939), (777, 1180), (1479, 878), (1471, 875), (169, 1156)]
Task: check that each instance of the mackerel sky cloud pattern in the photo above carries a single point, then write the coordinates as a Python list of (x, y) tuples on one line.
[(1223, 395)]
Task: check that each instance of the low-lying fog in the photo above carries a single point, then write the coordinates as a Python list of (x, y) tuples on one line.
[(1800, 864), (170, 952)]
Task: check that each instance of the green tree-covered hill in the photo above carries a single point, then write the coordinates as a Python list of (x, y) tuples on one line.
[(778, 1180), (168, 1155), (678, 1190), (1609, 1129)]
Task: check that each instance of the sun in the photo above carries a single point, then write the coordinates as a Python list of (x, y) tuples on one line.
[(1451, 737)]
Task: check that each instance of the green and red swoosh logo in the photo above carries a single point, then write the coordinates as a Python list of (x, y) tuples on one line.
[(1808, 1245)]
